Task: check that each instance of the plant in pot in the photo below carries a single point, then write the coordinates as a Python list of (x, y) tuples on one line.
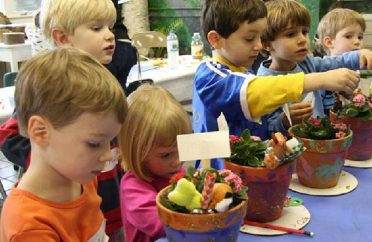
[(326, 144), (357, 113), (203, 205), (266, 168)]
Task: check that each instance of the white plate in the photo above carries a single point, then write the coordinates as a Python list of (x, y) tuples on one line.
[(292, 217), (359, 164), (346, 183)]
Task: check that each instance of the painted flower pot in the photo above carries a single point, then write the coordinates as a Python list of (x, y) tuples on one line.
[(361, 147), (320, 165), (267, 189), (219, 227)]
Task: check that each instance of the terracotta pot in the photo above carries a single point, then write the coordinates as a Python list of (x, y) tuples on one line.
[(267, 189), (321, 163), (219, 227), (361, 147)]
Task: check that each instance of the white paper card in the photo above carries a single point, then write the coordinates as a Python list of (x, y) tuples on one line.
[(203, 145)]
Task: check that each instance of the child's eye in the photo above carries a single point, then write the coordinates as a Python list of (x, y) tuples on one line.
[(96, 28), (305, 32), (360, 37), (165, 155), (93, 145), (249, 39)]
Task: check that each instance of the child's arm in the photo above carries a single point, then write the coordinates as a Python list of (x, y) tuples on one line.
[(266, 93), (138, 206)]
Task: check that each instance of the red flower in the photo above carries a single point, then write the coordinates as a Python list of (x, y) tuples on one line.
[(234, 139), (314, 122), (176, 177)]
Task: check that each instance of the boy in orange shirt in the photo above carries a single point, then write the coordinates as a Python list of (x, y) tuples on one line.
[(62, 107)]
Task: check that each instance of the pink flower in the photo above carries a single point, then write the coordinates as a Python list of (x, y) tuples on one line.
[(314, 122), (340, 134), (359, 100), (255, 138), (340, 126), (232, 179), (234, 139)]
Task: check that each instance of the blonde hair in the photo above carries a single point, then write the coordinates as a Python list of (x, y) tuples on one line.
[(336, 20), (67, 15), (281, 14), (62, 84), (155, 118)]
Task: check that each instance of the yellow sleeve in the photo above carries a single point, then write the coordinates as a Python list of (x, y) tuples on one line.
[(267, 93)]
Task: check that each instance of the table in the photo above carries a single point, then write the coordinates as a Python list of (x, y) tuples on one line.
[(15, 53), (179, 81), (345, 218)]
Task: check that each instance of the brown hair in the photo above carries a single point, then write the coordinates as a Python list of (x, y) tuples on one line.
[(281, 14), (225, 16), (62, 84), (155, 118)]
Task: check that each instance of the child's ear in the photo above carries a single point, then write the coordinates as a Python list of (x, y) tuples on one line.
[(214, 39), (267, 46), (60, 37), (328, 42), (38, 130)]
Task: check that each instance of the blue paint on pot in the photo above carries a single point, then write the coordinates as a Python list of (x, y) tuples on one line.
[(229, 234)]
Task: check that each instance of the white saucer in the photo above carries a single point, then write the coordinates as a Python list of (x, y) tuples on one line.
[(359, 164), (346, 183), (295, 217)]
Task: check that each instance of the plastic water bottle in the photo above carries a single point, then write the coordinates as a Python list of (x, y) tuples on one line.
[(172, 49), (196, 47)]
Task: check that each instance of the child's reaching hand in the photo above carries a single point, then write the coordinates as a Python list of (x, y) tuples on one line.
[(365, 59), (341, 79), (298, 112)]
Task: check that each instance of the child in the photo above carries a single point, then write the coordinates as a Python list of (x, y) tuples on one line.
[(62, 107), (339, 31), (150, 156), (287, 39), (86, 25), (223, 85)]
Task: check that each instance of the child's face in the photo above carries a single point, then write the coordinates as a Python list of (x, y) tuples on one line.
[(163, 161), (78, 151), (290, 47), (242, 47), (96, 38), (347, 39)]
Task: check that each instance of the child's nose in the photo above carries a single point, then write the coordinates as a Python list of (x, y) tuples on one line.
[(176, 163), (110, 35)]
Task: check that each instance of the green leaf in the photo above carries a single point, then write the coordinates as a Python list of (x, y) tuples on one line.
[(352, 112)]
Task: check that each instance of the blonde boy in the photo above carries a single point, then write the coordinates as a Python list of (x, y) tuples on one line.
[(222, 85), (85, 25), (341, 30), (70, 107)]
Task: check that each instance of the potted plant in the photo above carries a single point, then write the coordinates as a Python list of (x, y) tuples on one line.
[(358, 114), (326, 144), (203, 205), (266, 168)]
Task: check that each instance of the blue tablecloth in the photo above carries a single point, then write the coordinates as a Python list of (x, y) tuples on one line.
[(344, 218)]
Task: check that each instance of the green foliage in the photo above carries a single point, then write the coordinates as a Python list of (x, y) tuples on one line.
[(246, 151), (359, 107), (320, 129)]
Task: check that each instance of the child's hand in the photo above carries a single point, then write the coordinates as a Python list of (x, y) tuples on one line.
[(365, 59), (298, 112), (341, 79)]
